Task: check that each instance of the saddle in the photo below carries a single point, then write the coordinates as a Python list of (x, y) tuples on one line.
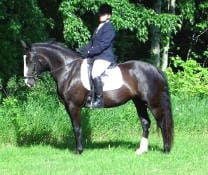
[(111, 78)]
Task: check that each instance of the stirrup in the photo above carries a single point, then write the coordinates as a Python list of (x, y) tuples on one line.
[(98, 103), (94, 104), (89, 101)]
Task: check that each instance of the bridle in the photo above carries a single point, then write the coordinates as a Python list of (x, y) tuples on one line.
[(35, 73)]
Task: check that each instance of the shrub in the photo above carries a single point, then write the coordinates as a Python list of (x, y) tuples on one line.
[(34, 115), (1, 91), (189, 78), (9, 113)]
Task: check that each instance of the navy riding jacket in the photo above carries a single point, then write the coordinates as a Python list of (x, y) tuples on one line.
[(101, 44)]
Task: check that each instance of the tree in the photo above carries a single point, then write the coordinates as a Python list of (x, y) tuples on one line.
[(133, 17), (18, 20), (171, 4), (191, 41), (156, 36)]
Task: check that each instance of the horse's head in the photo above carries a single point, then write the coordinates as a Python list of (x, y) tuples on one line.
[(32, 64)]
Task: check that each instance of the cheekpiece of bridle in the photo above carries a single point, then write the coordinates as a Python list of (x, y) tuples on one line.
[(35, 75), (34, 72)]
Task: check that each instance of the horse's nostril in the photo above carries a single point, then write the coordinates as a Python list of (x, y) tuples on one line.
[(30, 82), (29, 85)]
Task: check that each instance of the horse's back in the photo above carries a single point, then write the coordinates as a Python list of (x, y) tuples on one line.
[(142, 69), (144, 78)]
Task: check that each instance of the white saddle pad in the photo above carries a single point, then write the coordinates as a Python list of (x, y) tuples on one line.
[(112, 78)]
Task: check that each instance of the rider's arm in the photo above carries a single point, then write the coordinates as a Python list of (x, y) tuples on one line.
[(103, 42), (84, 50)]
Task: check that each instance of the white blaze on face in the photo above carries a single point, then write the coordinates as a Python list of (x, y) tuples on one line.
[(25, 70), (25, 66)]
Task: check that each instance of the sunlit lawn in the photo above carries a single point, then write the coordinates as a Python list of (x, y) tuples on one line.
[(189, 156)]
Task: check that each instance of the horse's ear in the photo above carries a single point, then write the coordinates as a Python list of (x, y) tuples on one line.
[(25, 46)]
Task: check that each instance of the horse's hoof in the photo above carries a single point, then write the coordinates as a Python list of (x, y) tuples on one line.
[(140, 151), (166, 149), (78, 152)]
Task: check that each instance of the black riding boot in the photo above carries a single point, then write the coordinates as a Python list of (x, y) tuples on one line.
[(98, 85)]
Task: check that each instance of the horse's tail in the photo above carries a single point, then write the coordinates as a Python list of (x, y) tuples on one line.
[(166, 124)]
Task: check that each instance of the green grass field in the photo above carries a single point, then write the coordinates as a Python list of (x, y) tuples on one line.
[(189, 156), (109, 146)]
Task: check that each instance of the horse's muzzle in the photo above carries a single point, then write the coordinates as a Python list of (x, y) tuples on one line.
[(29, 81)]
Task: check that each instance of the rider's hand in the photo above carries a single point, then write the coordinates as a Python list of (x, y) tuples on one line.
[(82, 52)]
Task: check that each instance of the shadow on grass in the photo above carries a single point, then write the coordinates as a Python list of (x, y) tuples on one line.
[(119, 144)]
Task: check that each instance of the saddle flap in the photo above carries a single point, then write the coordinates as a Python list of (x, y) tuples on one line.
[(111, 78)]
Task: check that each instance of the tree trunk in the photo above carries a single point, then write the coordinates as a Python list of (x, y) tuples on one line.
[(164, 64), (155, 36), (164, 61)]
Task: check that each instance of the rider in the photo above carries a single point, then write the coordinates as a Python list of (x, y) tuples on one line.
[(100, 50)]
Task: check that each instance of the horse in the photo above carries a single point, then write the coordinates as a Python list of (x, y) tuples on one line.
[(143, 83)]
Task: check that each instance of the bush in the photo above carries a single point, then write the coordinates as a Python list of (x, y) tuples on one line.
[(189, 79), (9, 112), (1, 91), (33, 116)]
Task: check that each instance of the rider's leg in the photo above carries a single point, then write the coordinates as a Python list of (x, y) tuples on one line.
[(99, 67), (98, 85)]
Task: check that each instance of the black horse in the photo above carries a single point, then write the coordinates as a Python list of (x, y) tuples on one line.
[(143, 83)]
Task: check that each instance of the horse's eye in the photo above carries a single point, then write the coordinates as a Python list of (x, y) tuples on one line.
[(29, 58)]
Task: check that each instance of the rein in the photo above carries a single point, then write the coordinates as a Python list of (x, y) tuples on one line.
[(59, 68)]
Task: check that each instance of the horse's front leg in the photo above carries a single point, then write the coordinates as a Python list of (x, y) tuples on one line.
[(75, 116)]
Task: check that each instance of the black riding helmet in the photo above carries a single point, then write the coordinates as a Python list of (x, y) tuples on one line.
[(105, 9)]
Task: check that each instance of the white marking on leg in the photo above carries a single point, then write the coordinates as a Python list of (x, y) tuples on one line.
[(143, 146)]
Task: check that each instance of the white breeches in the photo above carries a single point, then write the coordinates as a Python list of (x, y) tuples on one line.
[(99, 66)]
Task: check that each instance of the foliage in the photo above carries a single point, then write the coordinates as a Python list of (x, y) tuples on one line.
[(195, 13), (25, 115), (190, 78), (1, 90), (126, 16), (18, 20), (33, 20), (195, 25)]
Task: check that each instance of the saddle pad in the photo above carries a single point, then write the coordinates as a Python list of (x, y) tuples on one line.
[(112, 78)]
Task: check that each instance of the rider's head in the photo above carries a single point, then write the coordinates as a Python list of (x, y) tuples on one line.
[(104, 12)]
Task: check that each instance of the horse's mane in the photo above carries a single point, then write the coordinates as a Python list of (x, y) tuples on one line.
[(58, 46)]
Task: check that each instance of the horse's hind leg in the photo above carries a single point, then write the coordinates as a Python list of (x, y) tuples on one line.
[(145, 121)]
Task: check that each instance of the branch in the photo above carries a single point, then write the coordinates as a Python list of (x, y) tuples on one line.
[(197, 37)]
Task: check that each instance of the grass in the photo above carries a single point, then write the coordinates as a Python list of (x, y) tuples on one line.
[(33, 142), (189, 156)]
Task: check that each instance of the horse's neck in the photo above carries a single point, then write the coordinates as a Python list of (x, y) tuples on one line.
[(52, 59), (59, 64)]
